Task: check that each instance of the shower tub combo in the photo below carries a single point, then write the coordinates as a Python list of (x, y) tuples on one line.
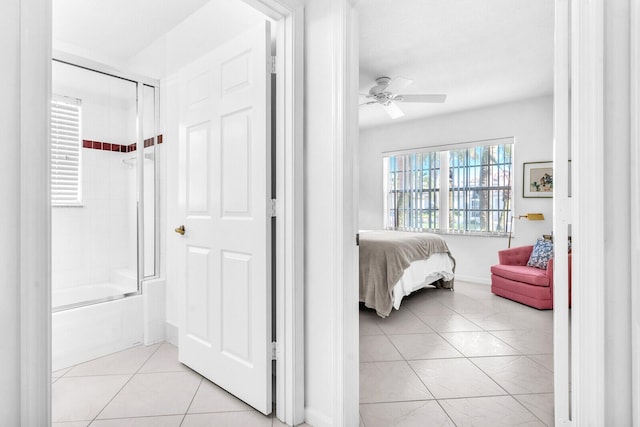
[(105, 146)]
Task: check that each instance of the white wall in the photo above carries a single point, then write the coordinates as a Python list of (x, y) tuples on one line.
[(90, 243), (617, 262), (528, 121), (170, 96), (10, 214)]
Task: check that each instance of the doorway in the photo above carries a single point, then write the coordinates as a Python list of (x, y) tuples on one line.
[(157, 61), (442, 130)]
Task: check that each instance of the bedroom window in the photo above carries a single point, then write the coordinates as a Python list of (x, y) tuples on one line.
[(480, 188), (66, 143), (413, 191), (477, 179)]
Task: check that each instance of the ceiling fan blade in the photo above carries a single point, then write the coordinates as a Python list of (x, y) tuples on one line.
[(420, 98), (368, 103), (393, 110), (398, 84)]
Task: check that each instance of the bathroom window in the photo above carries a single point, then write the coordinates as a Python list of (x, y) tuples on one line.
[(66, 154)]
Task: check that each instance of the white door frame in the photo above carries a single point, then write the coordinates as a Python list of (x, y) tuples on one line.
[(35, 226), (289, 236), (35, 213), (587, 145), (562, 213), (345, 321), (635, 208)]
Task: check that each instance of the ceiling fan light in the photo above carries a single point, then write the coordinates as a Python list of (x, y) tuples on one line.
[(393, 110)]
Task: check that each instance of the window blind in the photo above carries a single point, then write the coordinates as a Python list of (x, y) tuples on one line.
[(413, 191), (66, 143)]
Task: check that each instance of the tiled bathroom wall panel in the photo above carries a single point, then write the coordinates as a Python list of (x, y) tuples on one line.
[(89, 242), (93, 242)]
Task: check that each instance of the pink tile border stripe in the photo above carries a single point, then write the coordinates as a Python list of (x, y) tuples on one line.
[(119, 148)]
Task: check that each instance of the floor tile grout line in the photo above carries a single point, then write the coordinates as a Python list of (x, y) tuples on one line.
[(125, 384), (446, 413), (528, 410), (396, 401), (452, 398), (494, 380), (540, 364), (70, 368), (111, 400), (430, 392), (481, 370), (509, 395), (131, 418), (407, 401), (191, 402), (516, 330)]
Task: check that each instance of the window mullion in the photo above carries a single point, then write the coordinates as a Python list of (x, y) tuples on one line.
[(444, 191)]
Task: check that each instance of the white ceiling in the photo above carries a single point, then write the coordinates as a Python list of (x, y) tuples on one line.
[(117, 29), (113, 31), (478, 52)]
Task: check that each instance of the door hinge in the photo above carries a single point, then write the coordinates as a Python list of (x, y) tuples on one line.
[(273, 208), (357, 239), (274, 350), (273, 65)]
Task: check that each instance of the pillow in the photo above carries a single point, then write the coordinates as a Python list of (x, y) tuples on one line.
[(541, 254)]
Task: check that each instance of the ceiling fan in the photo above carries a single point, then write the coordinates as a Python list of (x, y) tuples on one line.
[(385, 93)]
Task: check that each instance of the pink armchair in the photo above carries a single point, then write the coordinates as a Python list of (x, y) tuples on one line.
[(513, 279)]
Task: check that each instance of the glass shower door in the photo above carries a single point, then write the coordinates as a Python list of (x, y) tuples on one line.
[(94, 186)]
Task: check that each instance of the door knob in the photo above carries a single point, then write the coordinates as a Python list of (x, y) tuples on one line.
[(180, 230)]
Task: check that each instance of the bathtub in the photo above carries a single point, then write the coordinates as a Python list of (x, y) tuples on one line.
[(85, 333)]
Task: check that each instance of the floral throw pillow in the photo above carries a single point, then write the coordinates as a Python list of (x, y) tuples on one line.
[(541, 254)]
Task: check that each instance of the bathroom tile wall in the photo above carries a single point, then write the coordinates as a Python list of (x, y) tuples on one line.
[(91, 242)]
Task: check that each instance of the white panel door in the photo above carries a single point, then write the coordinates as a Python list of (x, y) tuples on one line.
[(223, 197)]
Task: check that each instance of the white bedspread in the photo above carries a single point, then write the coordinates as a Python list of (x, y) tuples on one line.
[(421, 273)]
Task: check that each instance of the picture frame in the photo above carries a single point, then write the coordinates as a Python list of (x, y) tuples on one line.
[(537, 179)]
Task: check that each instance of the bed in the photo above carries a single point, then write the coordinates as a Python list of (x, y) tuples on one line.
[(395, 263)]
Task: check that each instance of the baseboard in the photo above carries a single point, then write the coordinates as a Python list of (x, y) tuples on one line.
[(316, 418), (473, 279), (171, 333)]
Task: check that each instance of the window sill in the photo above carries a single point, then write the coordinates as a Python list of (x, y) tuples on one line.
[(462, 233), (473, 233)]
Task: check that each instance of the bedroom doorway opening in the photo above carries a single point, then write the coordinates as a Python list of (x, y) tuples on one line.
[(450, 349)]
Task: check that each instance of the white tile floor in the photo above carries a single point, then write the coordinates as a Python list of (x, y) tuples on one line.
[(145, 387), (462, 358)]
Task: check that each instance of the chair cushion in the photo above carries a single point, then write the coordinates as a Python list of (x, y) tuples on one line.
[(541, 254), (522, 273)]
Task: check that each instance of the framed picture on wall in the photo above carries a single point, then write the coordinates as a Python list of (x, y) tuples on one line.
[(538, 179)]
